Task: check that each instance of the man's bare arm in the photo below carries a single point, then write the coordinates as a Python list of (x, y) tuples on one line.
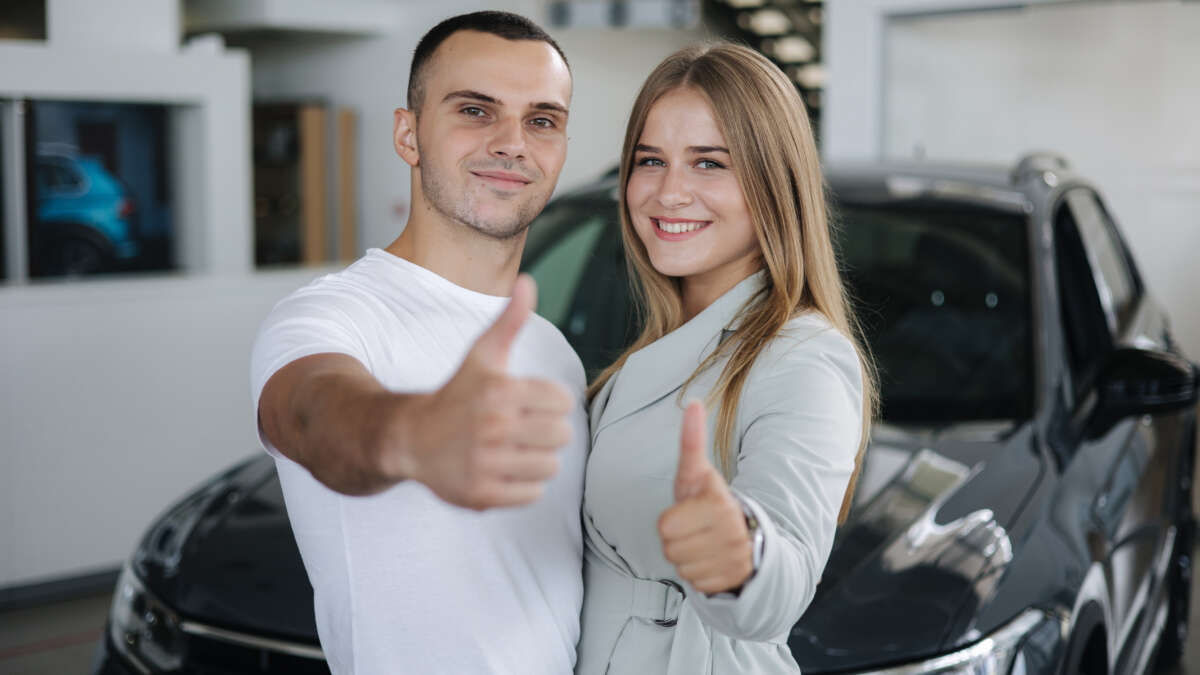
[(484, 439), (324, 412)]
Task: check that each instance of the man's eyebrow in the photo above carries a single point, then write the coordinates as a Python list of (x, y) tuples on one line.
[(472, 95), (694, 149), (547, 105)]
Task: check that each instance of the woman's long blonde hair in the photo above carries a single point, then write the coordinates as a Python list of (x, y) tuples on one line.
[(766, 128)]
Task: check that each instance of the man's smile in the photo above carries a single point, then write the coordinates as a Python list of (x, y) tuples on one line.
[(503, 179)]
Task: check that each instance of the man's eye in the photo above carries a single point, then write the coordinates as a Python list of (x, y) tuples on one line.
[(473, 111), (543, 122)]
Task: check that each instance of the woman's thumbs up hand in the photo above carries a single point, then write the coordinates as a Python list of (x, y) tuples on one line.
[(704, 534)]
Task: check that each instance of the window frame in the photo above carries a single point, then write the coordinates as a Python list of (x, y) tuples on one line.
[(1100, 239), (1081, 309)]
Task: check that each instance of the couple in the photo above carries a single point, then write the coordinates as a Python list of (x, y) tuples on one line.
[(430, 433)]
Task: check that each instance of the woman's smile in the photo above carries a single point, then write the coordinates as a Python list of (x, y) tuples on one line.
[(678, 229)]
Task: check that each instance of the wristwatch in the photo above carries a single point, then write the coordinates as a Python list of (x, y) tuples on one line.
[(756, 536)]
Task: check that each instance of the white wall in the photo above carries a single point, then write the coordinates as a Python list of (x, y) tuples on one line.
[(372, 75), (123, 25), (118, 395), (1110, 85)]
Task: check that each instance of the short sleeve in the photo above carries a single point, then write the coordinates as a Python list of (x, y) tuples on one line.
[(313, 320)]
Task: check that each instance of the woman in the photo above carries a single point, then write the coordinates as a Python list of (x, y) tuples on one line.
[(700, 560)]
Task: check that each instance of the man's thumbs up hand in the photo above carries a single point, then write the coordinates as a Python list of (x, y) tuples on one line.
[(487, 439), (704, 534)]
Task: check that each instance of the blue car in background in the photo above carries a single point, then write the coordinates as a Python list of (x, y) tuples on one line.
[(85, 219)]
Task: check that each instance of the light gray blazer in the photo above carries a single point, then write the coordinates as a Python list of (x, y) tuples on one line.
[(797, 432)]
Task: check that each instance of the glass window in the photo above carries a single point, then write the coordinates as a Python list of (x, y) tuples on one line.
[(295, 158), (1114, 282), (100, 197), (574, 253), (559, 269), (943, 296), (1086, 328), (23, 20)]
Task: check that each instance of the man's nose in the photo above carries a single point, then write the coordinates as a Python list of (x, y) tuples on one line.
[(674, 190), (509, 139)]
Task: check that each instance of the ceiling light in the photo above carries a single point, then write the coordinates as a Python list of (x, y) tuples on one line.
[(792, 49), (765, 22), (809, 77)]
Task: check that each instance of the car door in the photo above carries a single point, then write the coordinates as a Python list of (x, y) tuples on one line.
[(1102, 300)]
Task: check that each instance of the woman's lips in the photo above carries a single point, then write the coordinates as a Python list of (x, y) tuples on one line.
[(678, 229)]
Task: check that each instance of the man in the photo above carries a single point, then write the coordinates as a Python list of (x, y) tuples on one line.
[(428, 432)]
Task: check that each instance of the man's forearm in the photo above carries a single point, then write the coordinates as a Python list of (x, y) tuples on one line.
[(335, 429)]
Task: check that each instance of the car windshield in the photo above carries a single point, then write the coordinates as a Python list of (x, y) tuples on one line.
[(941, 291), (942, 294)]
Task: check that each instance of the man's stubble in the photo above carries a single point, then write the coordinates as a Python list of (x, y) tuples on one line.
[(463, 209)]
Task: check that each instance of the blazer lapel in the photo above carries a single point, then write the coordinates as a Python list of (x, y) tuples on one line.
[(660, 368)]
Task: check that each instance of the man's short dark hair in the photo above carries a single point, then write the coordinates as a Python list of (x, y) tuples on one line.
[(501, 24)]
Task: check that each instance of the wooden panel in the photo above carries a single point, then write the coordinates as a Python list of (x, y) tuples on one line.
[(347, 222), (313, 201)]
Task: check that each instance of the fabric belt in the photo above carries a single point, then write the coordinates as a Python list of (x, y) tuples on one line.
[(656, 600)]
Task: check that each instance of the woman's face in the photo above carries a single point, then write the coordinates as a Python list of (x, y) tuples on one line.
[(684, 199)]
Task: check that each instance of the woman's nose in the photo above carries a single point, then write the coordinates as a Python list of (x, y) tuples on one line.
[(674, 190)]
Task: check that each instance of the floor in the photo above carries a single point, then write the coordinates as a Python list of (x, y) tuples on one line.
[(60, 639)]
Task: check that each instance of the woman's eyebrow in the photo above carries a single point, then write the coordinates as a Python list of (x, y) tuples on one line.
[(694, 149)]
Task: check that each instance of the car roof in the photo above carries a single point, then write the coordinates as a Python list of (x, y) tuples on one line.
[(1012, 189)]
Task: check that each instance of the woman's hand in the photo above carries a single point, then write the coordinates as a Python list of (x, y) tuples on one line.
[(704, 534)]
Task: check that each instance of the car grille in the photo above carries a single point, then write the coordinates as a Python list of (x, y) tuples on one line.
[(208, 656)]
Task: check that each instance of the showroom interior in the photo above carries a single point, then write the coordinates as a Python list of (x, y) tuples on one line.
[(234, 150)]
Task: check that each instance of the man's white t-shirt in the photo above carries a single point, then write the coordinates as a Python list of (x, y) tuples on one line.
[(404, 582)]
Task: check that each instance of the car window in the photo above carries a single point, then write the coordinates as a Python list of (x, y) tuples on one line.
[(58, 176), (574, 253), (558, 270), (1114, 281), (1086, 327), (942, 293)]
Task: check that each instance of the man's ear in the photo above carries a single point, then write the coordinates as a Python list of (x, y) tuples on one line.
[(404, 136)]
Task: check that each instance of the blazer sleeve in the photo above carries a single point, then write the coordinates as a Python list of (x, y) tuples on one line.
[(802, 413)]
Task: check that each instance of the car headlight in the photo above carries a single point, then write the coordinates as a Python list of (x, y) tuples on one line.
[(996, 654), (143, 629)]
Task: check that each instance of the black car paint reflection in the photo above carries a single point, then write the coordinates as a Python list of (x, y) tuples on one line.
[(1014, 478)]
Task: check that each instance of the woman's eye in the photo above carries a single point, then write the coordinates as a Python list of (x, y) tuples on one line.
[(709, 164), (649, 161)]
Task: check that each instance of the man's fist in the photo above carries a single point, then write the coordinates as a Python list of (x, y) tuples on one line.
[(486, 439), (704, 533)]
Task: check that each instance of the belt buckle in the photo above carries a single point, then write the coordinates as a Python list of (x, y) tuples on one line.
[(667, 623)]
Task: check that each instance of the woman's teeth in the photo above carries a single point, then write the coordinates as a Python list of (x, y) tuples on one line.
[(679, 228)]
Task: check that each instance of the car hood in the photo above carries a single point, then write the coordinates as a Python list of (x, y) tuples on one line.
[(927, 539), (225, 556)]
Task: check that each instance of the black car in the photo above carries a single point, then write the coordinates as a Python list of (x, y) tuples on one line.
[(1025, 500)]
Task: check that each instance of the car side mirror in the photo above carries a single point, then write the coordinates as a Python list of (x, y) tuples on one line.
[(1143, 382)]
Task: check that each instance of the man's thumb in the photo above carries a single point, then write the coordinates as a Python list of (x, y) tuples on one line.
[(694, 468), (493, 346)]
